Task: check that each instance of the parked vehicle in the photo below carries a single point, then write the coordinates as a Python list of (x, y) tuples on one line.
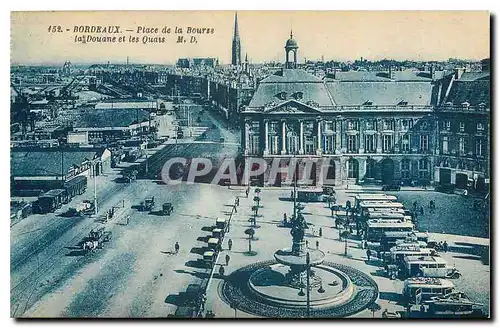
[(209, 258), (455, 304), (220, 223), (419, 289), (391, 187), (429, 266), (167, 208), (213, 244)]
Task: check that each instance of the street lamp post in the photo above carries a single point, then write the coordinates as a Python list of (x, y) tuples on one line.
[(95, 192), (308, 292)]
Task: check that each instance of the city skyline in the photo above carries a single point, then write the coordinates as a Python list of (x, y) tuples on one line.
[(348, 36)]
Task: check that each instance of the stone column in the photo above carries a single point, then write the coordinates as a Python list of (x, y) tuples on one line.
[(266, 137), (379, 136), (319, 148), (283, 137), (338, 137), (397, 126), (247, 136), (361, 137), (362, 168), (301, 137), (344, 137), (436, 174)]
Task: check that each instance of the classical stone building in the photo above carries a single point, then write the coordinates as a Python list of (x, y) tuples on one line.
[(370, 126), (463, 151)]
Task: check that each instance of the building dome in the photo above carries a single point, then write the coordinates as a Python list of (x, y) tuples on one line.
[(291, 43)]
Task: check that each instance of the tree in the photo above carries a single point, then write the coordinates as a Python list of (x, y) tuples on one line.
[(334, 208), (257, 200), (345, 234), (250, 232), (255, 210), (374, 307)]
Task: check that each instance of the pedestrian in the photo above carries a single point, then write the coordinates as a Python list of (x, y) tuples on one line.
[(362, 244), (227, 259), (235, 210), (307, 243), (321, 232), (219, 247), (247, 191), (317, 244), (337, 221), (177, 247), (368, 253), (385, 313), (284, 218), (421, 210), (237, 201), (221, 271), (291, 195), (230, 244), (445, 246), (415, 204)]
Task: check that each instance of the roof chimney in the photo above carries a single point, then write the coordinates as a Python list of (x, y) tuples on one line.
[(458, 72), (433, 72), (392, 73)]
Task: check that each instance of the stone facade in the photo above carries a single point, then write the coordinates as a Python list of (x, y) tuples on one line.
[(404, 127)]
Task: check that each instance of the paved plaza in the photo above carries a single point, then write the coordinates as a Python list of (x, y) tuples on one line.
[(468, 254)]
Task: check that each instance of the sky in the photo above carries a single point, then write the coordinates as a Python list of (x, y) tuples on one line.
[(336, 35)]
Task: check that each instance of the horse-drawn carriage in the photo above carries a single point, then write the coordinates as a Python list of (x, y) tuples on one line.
[(95, 239)]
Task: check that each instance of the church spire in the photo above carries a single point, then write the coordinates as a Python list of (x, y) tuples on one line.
[(236, 32), (236, 48)]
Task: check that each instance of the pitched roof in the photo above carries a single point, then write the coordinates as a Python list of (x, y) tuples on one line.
[(473, 92), (290, 75), (48, 162), (473, 76), (100, 118), (269, 92), (380, 93), (383, 76)]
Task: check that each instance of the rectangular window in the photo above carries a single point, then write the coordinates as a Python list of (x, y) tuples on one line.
[(461, 146), (423, 169), (255, 145), (479, 147), (445, 145), (480, 126), (448, 125), (330, 144), (329, 126), (405, 125), (310, 144), (352, 125), (405, 143), (388, 125), (387, 143), (274, 145), (370, 125), (405, 169), (370, 143), (424, 143), (462, 126), (351, 144)]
